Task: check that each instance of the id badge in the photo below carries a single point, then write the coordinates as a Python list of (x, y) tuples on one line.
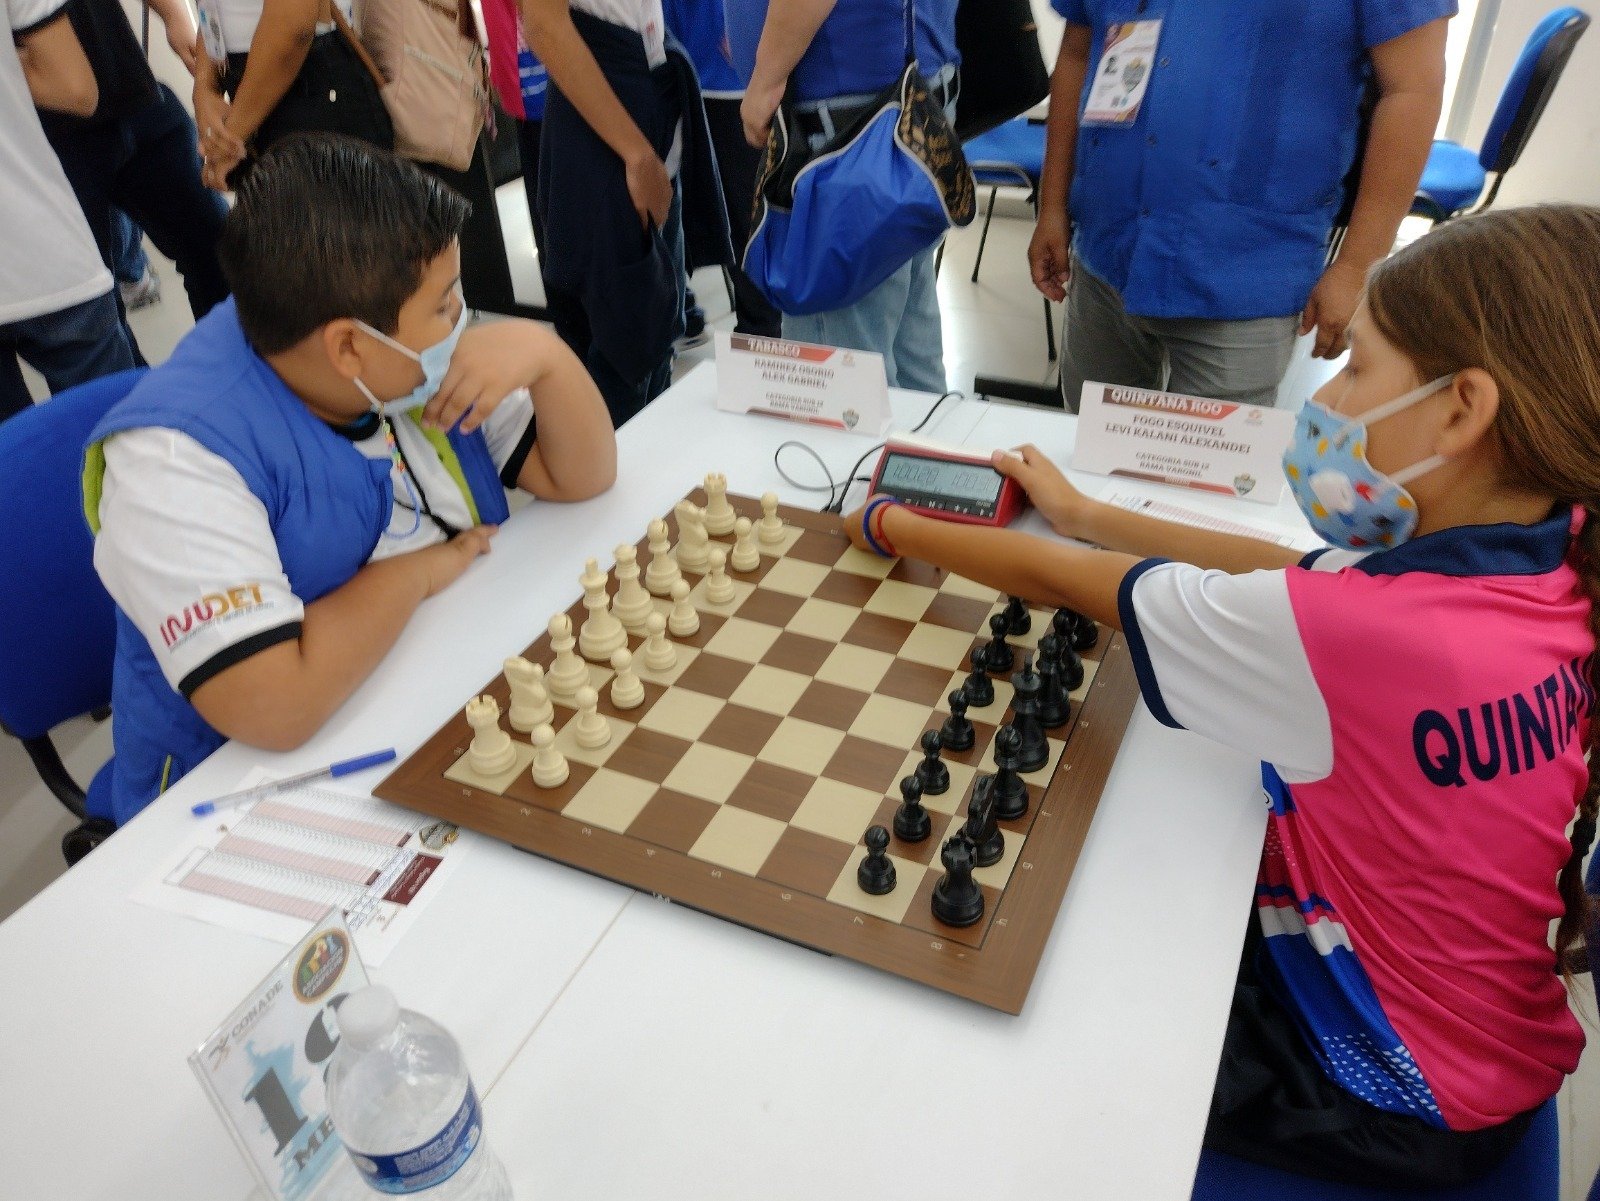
[(1123, 74), (211, 31)]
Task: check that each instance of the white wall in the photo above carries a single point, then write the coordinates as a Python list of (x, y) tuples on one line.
[(1562, 161)]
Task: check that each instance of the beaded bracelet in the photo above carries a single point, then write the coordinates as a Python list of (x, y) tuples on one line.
[(880, 545)]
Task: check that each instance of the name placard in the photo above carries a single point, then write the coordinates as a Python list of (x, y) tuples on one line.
[(1213, 446), (263, 1067), (820, 385)]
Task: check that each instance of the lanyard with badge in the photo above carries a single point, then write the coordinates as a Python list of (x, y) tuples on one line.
[(211, 31), (1123, 73)]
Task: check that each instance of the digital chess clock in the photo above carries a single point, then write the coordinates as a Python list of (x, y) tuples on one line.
[(946, 482)]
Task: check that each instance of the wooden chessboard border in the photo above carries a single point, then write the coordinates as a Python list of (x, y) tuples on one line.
[(998, 973)]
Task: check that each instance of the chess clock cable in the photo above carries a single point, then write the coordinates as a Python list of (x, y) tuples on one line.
[(838, 490)]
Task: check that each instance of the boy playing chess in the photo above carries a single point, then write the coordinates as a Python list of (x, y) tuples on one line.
[(320, 455)]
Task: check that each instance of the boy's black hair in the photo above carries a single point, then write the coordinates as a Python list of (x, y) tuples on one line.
[(327, 227)]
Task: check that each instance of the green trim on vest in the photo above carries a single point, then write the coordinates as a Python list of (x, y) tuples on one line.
[(440, 441), (94, 478)]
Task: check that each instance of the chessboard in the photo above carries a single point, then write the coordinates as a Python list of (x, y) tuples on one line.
[(743, 782)]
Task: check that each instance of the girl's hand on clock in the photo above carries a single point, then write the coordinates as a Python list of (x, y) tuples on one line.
[(1062, 505)]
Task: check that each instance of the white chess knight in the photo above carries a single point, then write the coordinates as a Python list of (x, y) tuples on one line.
[(632, 603), (719, 513), (746, 554), (549, 765), (592, 729), (491, 751), (719, 585), (530, 699), (770, 528), (602, 633), (663, 570), (659, 654), (685, 619), (568, 673), (693, 539), (627, 690)]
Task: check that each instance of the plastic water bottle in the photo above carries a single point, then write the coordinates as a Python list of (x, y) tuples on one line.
[(403, 1104)]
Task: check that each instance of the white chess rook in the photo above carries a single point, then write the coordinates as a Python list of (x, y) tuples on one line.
[(692, 537), (602, 633), (491, 751), (632, 604), (593, 730), (530, 699), (627, 690), (685, 619), (770, 528), (568, 673), (719, 513), (663, 570), (746, 554), (719, 585), (659, 654), (549, 765)]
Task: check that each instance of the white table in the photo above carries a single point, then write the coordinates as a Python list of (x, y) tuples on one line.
[(629, 1048)]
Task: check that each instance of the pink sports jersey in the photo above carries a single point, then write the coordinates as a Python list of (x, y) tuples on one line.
[(1421, 713)]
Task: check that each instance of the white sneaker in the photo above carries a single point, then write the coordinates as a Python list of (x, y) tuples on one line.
[(142, 293)]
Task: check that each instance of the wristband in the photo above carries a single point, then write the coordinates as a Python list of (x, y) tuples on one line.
[(880, 545)]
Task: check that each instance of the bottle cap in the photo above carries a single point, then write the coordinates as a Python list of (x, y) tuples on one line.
[(368, 1015)]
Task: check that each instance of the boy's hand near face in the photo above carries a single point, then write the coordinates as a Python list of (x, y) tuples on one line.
[(491, 361)]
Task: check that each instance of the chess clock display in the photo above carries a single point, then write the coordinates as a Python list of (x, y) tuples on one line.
[(945, 482)]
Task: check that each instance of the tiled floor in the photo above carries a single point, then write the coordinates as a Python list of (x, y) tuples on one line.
[(992, 327)]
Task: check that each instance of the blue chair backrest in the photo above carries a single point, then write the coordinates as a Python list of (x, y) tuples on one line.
[(1528, 88), (57, 622)]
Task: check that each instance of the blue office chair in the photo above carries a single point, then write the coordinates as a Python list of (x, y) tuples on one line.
[(57, 622), (1010, 155), (1454, 177), (1532, 1172)]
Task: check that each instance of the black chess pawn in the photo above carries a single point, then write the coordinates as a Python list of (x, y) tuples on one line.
[(875, 873), (978, 688), (932, 774), (1010, 790), (1033, 751), (998, 657), (1055, 706), (1019, 620), (957, 733), (911, 820), (981, 830), (1064, 623), (957, 899)]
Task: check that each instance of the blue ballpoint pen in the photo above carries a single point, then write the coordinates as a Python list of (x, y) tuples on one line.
[(334, 770)]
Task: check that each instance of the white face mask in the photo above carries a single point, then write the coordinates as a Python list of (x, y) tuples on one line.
[(435, 363)]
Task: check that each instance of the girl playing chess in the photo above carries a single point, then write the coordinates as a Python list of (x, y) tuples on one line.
[(1420, 693)]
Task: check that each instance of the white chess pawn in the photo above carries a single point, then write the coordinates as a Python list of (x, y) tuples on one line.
[(659, 654), (627, 690), (685, 619), (491, 751), (719, 585), (746, 554), (692, 537), (663, 570), (719, 513), (530, 699), (568, 673), (632, 604), (770, 528), (549, 765), (602, 633), (593, 730)]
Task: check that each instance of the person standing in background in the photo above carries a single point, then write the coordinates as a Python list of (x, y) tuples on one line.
[(266, 68), (700, 26), (830, 59), (56, 308), (1202, 165)]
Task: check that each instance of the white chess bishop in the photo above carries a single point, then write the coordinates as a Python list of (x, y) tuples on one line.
[(491, 751)]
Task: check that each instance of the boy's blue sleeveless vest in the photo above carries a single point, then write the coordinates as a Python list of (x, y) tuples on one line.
[(327, 503)]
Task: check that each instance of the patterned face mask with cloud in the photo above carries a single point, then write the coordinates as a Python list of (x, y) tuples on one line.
[(1348, 501)]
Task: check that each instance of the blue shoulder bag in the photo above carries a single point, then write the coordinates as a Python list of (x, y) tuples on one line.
[(831, 225)]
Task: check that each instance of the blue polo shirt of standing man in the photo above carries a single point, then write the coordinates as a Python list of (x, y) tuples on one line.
[(1201, 150), (832, 58)]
